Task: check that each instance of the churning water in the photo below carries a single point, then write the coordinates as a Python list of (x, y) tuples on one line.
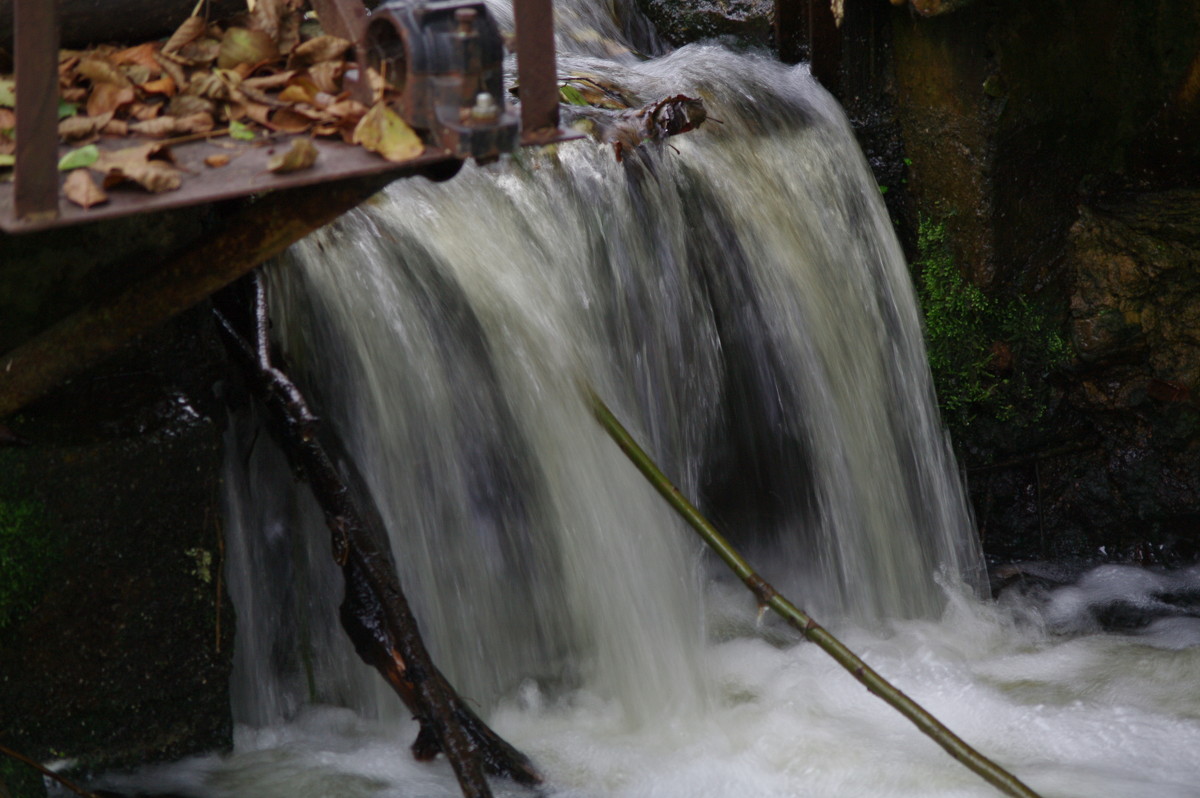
[(740, 300)]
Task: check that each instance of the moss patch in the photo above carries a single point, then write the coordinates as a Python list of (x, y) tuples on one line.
[(990, 357)]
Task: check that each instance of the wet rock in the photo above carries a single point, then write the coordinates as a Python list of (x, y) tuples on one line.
[(1135, 301), (683, 21), (120, 651)]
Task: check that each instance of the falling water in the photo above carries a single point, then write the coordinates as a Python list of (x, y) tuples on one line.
[(739, 298)]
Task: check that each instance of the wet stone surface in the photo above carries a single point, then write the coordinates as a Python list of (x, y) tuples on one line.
[(121, 654)]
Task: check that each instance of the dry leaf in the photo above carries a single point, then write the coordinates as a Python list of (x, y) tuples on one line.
[(295, 94), (289, 121), (301, 155), (267, 82), (194, 123), (242, 46), (382, 130), (327, 76), (73, 94), (317, 50), (78, 128), (142, 55), (164, 85), (187, 104), (191, 29), (201, 52), (98, 71), (217, 161), (116, 127), (259, 113), (148, 165), (82, 190), (173, 70), (214, 85), (145, 111), (138, 73), (158, 128), (108, 97)]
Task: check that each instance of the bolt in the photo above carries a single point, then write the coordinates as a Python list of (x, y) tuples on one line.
[(465, 17), (486, 109)]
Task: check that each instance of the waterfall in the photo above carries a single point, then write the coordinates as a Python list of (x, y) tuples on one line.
[(738, 296)]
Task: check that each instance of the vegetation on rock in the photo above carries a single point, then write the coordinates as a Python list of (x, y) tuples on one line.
[(990, 358)]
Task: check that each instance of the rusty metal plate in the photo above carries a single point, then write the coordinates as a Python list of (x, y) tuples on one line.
[(245, 174)]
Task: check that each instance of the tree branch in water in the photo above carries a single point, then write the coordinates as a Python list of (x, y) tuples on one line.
[(768, 597), (374, 612)]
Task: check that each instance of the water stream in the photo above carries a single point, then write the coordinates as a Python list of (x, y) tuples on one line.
[(740, 300)]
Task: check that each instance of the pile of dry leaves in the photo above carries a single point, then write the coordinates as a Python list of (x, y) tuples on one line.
[(270, 71)]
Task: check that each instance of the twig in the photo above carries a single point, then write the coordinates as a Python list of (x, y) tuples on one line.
[(45, 771), (769, 597)]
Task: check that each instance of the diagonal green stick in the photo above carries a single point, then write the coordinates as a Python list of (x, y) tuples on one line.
[(769, 597)]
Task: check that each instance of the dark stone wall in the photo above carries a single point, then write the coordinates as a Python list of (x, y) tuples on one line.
[(116, 641)]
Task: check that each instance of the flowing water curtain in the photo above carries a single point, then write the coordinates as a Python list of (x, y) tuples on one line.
[(740, 297)]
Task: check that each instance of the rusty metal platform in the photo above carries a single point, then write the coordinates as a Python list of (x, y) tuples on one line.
[(33, 198), (244, 175)]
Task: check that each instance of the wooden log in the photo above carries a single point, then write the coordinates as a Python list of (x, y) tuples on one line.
[(86, 22)]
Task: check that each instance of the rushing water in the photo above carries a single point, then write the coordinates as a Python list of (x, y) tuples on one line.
[(740, 300)]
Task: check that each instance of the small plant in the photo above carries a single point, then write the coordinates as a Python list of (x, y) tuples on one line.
[(989, 358)]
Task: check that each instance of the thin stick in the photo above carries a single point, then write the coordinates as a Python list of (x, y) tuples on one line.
[(45, 771), (768, 596)]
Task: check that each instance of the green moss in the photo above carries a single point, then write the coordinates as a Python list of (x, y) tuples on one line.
[(26, 551), (990, 358)]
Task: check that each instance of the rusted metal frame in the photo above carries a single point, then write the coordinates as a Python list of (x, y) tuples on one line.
[(537, 70), (262, 230), (825, 44), (35, 178), (789, 30)]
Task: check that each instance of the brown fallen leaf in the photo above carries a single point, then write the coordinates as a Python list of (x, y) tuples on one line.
[(301, 155), (289, 121), (157, 128), (317, 50), (99, 70), (116, 127), (145, 111), (108, 97), (327, 75), (142, 55), (296, 93), (187, 104), (164, 85), (80, 128), (149, 165), (242, 46), (383, 131), (217, 161), (82, 190), (268, 82), (191, 29)]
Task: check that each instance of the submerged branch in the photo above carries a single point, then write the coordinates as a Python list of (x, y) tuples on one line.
[(769, 597), (45, 771), (375, 613)]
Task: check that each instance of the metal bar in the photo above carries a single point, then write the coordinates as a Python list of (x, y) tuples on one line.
[(536, 70), (789, 31), (341, 18), (825, 44), (35, 179)]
